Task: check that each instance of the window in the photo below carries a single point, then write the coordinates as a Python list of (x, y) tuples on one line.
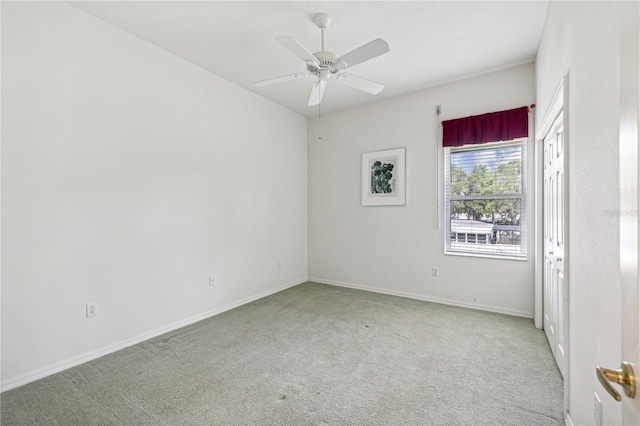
[(485, 209)]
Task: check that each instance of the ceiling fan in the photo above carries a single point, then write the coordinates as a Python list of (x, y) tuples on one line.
[(324, 64)]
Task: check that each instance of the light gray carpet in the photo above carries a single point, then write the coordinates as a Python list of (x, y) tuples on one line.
[(313, 354)]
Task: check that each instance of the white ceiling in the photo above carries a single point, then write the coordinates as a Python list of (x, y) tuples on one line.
[(431, 42)]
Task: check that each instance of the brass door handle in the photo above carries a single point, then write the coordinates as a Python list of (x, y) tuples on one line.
[(624, 377)]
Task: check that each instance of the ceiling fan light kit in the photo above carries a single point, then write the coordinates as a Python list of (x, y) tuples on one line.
[(324, 64)]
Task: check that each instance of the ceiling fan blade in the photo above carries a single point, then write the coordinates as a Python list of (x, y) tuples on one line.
[(363, 53), (360, 83), (316, 92), (280, 79), (297, 49)]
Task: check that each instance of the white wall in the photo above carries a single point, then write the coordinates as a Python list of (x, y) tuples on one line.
[(391, 249), (583, 40), (128, 177)]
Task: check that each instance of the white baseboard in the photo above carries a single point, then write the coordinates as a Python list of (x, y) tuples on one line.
[(567, 420), (416, 296), (105, 350)]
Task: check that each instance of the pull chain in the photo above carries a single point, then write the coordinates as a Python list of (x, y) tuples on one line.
[(319, 124)]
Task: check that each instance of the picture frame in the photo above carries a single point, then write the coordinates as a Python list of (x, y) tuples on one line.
[(383, 178)]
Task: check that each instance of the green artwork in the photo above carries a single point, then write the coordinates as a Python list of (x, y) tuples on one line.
[(382, 177)]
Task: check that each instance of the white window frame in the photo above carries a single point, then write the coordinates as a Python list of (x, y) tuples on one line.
[(489, 250)]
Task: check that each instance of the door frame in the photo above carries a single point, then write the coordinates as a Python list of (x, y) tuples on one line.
[(559, 104)]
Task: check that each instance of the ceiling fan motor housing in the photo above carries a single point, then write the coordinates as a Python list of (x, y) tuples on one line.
[(326, 65)]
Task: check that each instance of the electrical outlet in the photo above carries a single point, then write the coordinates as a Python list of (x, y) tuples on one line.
[(435, 272), (597, 410), (92, 310), (212, 280)]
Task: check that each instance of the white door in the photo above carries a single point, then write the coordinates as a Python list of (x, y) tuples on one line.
[(554, 309), (618, 381), (630, 223)]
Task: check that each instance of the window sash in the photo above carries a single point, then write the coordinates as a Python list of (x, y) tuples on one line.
[(487, 238), (485, 197)]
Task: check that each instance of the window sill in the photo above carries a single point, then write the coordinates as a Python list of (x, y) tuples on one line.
[(487, 255)]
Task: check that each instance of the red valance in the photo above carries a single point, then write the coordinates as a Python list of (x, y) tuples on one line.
[(492, 127)]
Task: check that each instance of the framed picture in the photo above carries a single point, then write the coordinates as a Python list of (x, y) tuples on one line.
[(383, 178)]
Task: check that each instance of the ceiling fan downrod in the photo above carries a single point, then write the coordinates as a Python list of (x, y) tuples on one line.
[(322, 20)]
